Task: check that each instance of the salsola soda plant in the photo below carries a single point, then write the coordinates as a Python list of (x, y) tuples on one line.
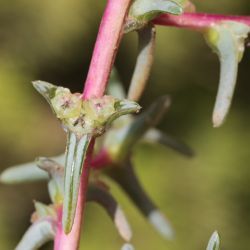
[(103, 126)]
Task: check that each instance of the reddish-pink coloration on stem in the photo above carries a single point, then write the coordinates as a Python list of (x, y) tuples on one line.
[(197, 20), (107, 43), (108, 40)]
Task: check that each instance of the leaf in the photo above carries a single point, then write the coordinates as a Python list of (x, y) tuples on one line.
[(84, 117), (186, 5), (144, 62), (157, 136), (122, 107), (161, 224), (125, 177), (27, 172), (214, 242), (47, 90), (127, 246), (56, 173), (148, 9), (43, 211), (115, 87), (37, 235), (107, 201), (227, 40), (143, 11), (140, 126), (23, 173), (76, 153)]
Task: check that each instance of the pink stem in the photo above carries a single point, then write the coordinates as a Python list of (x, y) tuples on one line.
[(71, 241), (197, 20), (107, 43)]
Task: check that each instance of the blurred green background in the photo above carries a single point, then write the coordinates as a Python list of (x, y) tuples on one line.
[(53, 41)]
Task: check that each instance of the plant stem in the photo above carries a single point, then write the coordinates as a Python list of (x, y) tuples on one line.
[(197, 20), (107, 43)]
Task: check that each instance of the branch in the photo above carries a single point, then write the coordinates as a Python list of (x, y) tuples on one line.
[(197, 20), (107, 43)]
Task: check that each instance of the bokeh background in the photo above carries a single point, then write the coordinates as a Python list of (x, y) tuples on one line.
[(53, 41)]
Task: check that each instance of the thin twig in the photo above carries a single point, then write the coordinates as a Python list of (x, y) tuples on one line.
[(197, 20)]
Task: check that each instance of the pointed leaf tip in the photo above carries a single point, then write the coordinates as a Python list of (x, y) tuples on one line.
[(161, 224), (127, 246), (122, 224), (214, 242), (22, 173), (47, 90), (105, 199), (37, 235)]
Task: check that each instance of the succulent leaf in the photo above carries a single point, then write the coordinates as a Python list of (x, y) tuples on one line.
[(76, 153), (157, 136), (47, 90), (125, 176), (127, 246), (56, 173), (144, 62), (227, 40), (108, 202), (37, 235), (115, 87), (214, 242), (136, 129), (143, 11), (161, 224), (83, 117), (43, 211), (23, 173)]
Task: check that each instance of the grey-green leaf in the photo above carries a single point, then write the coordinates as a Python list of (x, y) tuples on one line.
[(115, 87), (141, 124), (76, 152), (27, 172), (56, 173), (23, 173), (127, 246), (123, 107), (37, 235), (148, 9), (107, 201), (125, 177), (144, 62), (227, 40), (47, 90), (214, 242), (157, 136)]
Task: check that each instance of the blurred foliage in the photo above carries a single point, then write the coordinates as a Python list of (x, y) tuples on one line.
[(53, 41)]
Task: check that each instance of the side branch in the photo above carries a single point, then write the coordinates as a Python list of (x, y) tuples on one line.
[(197, 20)]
